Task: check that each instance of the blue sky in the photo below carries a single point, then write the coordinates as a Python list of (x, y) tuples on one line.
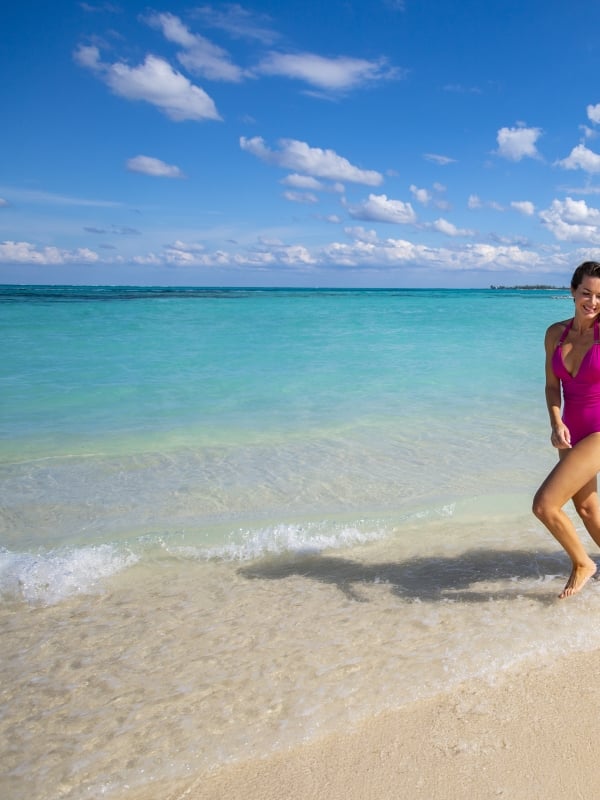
[(299, 143)]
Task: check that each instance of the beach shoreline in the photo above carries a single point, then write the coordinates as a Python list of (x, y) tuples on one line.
[(529, 735)]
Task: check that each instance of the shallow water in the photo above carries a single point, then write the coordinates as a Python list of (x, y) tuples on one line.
[(233, 521)]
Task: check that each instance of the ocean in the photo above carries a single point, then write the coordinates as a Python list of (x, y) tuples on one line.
[(235, 520)]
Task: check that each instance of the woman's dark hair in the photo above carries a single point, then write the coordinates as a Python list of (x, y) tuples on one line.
[(590, 269)]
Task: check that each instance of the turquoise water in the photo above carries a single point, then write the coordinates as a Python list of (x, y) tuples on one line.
[(195, 412), (258, 515), (126, 373)]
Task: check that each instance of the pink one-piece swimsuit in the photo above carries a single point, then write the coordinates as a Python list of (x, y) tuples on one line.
[(581, 392)]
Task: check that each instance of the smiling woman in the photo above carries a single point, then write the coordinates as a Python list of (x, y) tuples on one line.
[(573, 363)]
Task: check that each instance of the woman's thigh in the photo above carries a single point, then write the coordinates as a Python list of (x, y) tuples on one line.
[(575, 471)]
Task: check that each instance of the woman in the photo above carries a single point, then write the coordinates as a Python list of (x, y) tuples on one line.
[(573, 360)]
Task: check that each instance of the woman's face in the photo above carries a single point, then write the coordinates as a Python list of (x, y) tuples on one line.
[(587, 296)]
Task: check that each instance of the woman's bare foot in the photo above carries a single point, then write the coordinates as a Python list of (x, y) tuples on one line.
[(579, 576)]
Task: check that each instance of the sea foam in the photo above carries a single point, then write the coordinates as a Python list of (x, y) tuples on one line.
[(49, 578)]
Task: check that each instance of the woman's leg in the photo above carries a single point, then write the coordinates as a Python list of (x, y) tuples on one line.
[(587, 505), (571, 477)]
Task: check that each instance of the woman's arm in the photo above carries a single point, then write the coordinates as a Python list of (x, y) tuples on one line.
[(560, 437)]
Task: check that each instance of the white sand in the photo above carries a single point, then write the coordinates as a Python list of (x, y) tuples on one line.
[(534, 735)]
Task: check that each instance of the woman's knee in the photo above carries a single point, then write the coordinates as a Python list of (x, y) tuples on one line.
[(540, 506), (588, 511), (543, 507)]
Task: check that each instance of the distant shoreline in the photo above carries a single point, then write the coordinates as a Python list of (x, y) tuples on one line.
[(534, 286)]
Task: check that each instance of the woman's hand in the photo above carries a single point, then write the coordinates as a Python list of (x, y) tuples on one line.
[(561, 437)]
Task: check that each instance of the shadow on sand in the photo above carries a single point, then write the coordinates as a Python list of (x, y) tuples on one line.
[(427, 579)]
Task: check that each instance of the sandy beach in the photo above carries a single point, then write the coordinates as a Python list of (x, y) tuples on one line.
[(534, 734), (325, 591)]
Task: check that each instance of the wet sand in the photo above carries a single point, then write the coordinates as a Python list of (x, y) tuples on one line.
[(533, 734)]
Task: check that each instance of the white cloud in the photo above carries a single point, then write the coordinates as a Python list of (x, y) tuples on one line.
[(449, 229), (310, 160), (200, 56), (525, 207), (265, 254), (572, 221), (108, 8), (460, 88), (3, 202), (153, 166), (582, 189), (154, 82), (184, 254), (27, 253), (332, 74), (88, 56), (475, 202), (593, 113), (437, 159), (421, 195), (402, 253), (302, 182), (589, 133), (238, 22), (379, 208), (361, 234), (49, 198), (517, 143), (301, 197), (581, 158), (192, 247)]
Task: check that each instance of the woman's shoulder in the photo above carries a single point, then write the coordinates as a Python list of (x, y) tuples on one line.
[(560, 326), (555, 331)]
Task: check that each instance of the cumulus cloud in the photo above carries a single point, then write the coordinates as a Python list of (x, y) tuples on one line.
[(154, 82), (402, 253), (311, 161), (581, 158), (379, 208), (525, 207), (517, 143), (302, 182), (593, 113), (264, 254), (27, 253), (331, 74), (301, 197), (361, 234), (475, 202), (184, 253), (421, 195), (199, 55), (572, 221), (449, 229), (153, 166)]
